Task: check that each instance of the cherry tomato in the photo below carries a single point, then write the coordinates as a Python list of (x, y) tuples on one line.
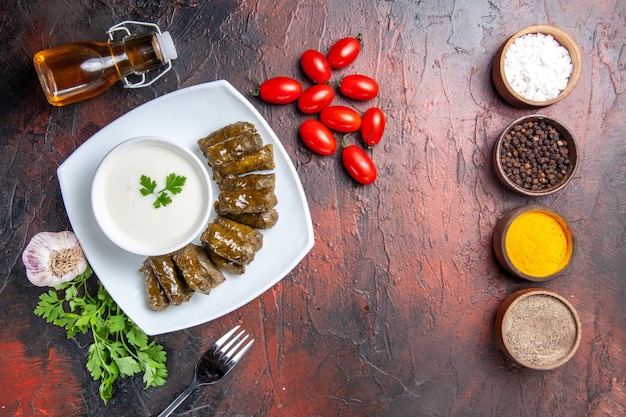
[(315, 66), (341, 118), (359, 165), (278, 90), (372, 126), (318, 137), (344, 52), (315, 98), (359, 87)]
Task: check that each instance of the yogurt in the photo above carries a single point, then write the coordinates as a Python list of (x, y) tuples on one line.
[(129, 218)]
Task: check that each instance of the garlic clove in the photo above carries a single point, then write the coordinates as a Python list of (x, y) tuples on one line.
[(53, 258)]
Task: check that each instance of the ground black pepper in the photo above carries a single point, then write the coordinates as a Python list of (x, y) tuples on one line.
[(540, 330), (535, 156)]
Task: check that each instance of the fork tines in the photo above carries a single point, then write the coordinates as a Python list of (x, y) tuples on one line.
[(228, 354)]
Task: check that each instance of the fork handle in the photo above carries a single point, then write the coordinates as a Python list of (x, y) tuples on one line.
[(182, 397)]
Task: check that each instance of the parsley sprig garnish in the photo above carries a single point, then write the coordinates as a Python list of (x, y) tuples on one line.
[(173, 185), (119, 347)]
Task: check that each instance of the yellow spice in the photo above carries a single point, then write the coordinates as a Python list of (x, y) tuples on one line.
[(538, 243)]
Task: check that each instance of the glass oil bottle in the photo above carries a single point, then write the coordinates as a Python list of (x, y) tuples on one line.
[(81, 70)]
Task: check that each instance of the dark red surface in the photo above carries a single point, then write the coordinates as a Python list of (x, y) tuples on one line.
[(391, 314)]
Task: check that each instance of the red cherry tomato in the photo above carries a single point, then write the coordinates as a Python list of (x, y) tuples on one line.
[(372, 126), (315, 98), (344, 52), (278, 90), (359, 87), (317, 137), (359, 165), (315, 66), (341, 118)]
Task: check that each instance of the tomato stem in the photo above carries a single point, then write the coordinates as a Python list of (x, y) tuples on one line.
[(344, 141), (255, 91), (337, 82)]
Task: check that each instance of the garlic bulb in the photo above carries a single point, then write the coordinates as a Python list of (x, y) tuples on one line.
[(53, 258)]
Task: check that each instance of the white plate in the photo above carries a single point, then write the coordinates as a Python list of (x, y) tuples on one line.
[(186, 115)]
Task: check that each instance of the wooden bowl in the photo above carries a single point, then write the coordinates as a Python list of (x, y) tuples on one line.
[(498, 159), (538, 328), (522, 265), (502, 84)]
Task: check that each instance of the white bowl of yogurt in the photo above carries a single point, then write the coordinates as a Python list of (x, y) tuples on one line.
[(151, 196)]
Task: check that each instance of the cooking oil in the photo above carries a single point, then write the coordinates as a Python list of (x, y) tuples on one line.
[(81, 70)]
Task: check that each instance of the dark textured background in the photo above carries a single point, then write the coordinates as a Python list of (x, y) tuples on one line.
[(391, 314)]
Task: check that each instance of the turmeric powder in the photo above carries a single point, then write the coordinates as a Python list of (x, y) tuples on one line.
[(539, 243)]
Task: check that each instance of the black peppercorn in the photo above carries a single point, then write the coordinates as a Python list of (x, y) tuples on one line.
[(534, 155)]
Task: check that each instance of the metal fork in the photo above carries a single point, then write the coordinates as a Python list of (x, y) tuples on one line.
[(214, 364)]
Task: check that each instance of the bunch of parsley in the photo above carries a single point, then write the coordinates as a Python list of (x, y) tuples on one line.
[(119, 347)]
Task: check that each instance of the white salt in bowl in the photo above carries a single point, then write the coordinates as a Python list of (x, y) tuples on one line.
[(503, 81)]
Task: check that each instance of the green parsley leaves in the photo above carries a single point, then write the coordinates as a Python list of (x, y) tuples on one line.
[(119, 347), (173, 185)]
